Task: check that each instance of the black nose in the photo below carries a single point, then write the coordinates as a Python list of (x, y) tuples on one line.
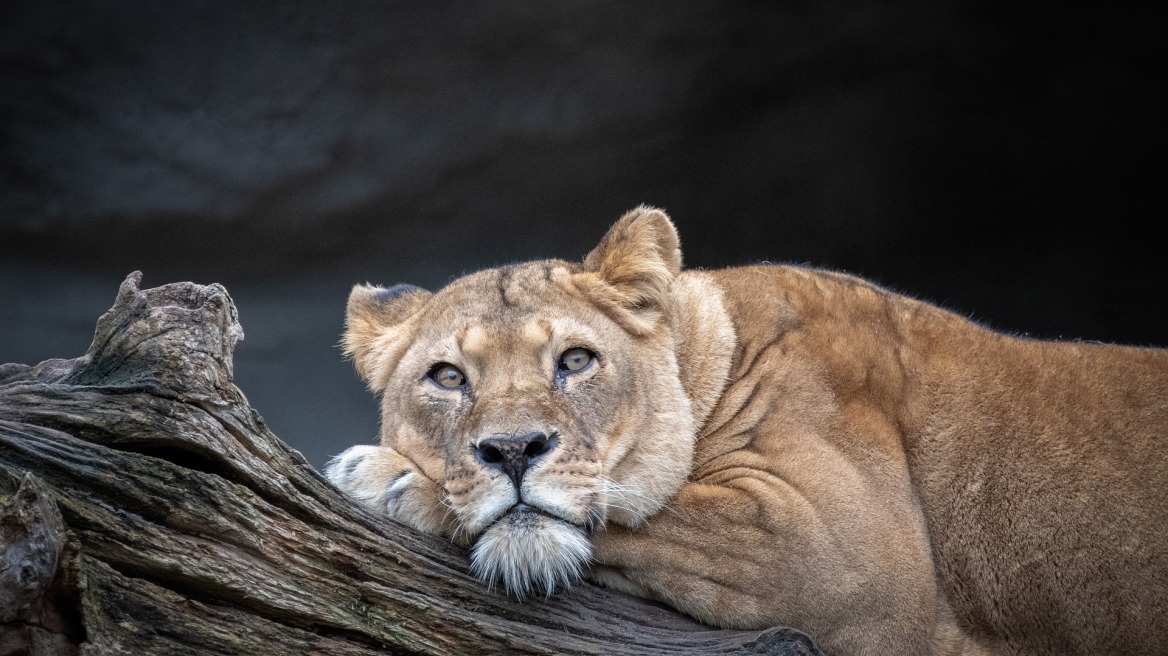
[(512, 454)]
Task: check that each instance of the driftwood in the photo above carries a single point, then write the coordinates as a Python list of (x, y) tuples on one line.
[(146, 509)]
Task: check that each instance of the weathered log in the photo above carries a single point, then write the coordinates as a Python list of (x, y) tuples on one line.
[(146, 509)]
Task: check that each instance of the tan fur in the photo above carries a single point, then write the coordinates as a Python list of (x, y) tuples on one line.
[(777, 445)]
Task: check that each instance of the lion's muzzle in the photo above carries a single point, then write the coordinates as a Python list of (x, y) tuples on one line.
[(528, 548)]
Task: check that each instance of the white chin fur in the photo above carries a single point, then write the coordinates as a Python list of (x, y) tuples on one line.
[(530, 554)]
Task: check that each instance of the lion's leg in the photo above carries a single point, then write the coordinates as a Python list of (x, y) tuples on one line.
[(752, 553)]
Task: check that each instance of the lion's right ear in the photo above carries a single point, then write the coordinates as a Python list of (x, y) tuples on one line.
[(378, 327), (630, 273)]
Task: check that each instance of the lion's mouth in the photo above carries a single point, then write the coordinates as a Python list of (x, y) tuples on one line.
[(520, 509), (524, 514)]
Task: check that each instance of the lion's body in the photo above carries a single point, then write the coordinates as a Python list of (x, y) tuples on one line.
[(778, 445), (897, 464)]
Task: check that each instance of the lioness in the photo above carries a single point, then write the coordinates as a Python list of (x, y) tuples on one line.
[(772, 445)]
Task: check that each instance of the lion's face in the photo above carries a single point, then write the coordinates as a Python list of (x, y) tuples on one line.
[(538, 401)]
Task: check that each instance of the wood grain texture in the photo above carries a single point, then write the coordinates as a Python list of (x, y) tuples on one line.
[(150, 511)]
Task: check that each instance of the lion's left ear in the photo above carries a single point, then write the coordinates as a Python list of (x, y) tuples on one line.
[(632, 270)]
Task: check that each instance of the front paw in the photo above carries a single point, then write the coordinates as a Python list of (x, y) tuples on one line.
[(385, 481), (615, 579), (610, 551)]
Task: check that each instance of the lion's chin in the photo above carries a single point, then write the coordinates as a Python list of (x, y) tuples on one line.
[(530, 553)]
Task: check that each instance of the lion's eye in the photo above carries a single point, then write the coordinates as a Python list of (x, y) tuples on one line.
[(576, 359), (447, 375)]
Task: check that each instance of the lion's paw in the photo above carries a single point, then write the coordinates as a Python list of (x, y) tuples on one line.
[(613, 578), (385, 481)]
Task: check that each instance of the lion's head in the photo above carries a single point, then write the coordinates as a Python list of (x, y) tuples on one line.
[(526, 406)]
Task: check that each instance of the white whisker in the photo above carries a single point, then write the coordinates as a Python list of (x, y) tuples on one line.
[(622, 497)]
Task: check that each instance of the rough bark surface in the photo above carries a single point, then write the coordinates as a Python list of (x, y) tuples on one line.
[(146, 509)]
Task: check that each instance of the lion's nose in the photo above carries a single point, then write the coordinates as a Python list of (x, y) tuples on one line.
[(513, 454)]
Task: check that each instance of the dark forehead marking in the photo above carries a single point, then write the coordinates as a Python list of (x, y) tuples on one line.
[(505, 276), (515, 283)]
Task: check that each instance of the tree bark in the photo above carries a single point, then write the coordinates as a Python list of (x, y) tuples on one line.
[(146, 509)]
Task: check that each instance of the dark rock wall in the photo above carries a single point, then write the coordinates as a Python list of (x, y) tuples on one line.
[(996, 157)]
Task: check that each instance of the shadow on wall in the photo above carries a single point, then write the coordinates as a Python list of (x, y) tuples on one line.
[(989, 156)]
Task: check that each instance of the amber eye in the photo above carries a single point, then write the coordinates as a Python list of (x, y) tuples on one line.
[(447, 375), (576, 359)]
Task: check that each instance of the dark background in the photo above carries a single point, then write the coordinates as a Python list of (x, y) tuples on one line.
[(998, 158)]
